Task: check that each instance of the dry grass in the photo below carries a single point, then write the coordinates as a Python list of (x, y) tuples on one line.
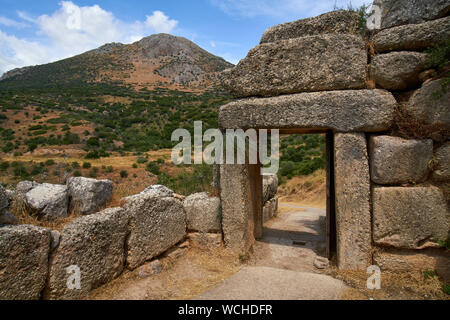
[(20, 210), (185, 278), (409, 127), (306, 190), (394, 286)]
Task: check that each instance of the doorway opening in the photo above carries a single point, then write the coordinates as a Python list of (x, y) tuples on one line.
[(304, 225)]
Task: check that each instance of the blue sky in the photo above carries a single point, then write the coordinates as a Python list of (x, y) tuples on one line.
[(36, 32)]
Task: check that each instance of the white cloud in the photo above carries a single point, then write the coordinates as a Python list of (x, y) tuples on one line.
[(282, 8), (71, 30), (12, 23), (160, 22)]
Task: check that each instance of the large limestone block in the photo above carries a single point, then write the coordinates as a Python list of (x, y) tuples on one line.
[(394, 160), (407, 260), (442, 159), (156, 190), (89, 195), (300, 65), (413, 37), (398, 70), (345, 111), (270, 187), (400, 12), (202, 213), (429, 109), (48, 201), (156, 224), (335, 22), (95, 244), (409, 218), (23, 262), (237, 223), (352, 188)]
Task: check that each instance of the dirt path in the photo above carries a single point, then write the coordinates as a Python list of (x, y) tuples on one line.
[(292, 240)]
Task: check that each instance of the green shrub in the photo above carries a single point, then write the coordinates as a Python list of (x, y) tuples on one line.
[(77, 174), (439, 58), (153, 168), (49, 162), (124, 174), (4, 165), (87, 165), (75, 165)]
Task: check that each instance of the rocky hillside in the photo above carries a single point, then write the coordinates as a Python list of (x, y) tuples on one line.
[(159, 60)]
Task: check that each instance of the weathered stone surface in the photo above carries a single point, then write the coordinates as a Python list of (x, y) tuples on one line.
[(205, 240), (56, 239), (321, 263), (155, 190), (407, 260), (299, 65), (4, 201), (270, 187), (25, 186), (270, 209), (7, 218), (412, 37), (442, 159), (424, 105), (352, 188), (95, 244), (335, 22), (10, 194), (395, 160), (345, 111), (202, 213), (156, 224), (400, 12), (48, 201), (409, 218), (238, 228), (398, 70), (89, 195), (23, 261)]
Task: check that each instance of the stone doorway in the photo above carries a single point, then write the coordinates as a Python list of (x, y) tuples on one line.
[(247, 228), (308, 230)]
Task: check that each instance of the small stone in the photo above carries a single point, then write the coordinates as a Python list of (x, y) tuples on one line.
[(150, 269), (321, 263)]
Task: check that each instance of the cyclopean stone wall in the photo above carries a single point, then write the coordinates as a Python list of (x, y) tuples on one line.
[(373, 93), (36, 262)]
